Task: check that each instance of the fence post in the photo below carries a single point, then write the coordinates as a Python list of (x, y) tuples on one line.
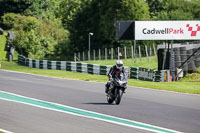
[(154, 49), (118, 53), (111, 53), (140, 54), (79, 56), (125, 53), (83, 56), (99, 54), (150, 53), (74, 57), (147, 53), (132, 52), (94, 54), (88, 55), (106, 54)]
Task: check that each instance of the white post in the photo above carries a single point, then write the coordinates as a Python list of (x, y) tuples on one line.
[(83, 56), (89, 48), (99, 54), (147, 53), (118, 53), (140, 54), (90, 34), (106, 54), (134, 50), (111, 53), (125, 53), (94, 54)]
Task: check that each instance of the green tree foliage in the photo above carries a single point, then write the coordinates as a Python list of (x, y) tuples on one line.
[(63, 51), (8, 21), (35, 38), (37, 8), (195, 8), (68, 8), (15, 6), (99, 17), (43, 9), (174, 9), (156, 6)]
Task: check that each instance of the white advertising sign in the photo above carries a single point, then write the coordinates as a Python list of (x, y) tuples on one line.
[(167, 30)]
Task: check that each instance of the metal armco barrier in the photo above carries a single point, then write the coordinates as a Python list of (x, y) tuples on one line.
[(132, 72)]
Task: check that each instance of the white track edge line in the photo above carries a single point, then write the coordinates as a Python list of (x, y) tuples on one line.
[(5, 131)]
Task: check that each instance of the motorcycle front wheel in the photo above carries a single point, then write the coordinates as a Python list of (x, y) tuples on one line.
[(118, 95), (110, 100)]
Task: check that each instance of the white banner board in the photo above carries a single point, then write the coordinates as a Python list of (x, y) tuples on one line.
[(167, 30)]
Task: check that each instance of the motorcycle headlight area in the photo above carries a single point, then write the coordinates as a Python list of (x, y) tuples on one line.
[(121, 83)]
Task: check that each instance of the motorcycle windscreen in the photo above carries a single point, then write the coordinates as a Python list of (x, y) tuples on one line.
[(120, 76)]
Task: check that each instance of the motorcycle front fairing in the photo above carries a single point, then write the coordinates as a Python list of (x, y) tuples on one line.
[(121, 80)]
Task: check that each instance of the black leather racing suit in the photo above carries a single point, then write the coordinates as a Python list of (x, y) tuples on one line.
[(111, 74)]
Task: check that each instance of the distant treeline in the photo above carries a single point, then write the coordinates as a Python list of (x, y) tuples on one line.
[(56, 29)]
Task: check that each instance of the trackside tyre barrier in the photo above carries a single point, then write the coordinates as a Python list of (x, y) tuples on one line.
[(37, 63), (79, 67), (132, 72), (41, 64), (63, 65), (197, 59), (73, 67), (191, 64), (149, 74), (53, 65), (96, 69), (34, 63), (58, 65), (103, 70), (84, 68), (68, 64), (45, 65), (21, 60), (183, 54), (27, 62)]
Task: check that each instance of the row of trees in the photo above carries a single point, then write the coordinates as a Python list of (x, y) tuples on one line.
[(58, 28)]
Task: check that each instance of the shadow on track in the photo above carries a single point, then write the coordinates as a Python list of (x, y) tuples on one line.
[(99, 103)]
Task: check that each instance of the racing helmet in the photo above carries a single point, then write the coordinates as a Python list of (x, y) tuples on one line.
[(119, 64)]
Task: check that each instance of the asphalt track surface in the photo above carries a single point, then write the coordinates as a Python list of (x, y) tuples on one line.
[(177, 111)]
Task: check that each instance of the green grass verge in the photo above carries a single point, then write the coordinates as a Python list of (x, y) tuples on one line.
[(2, 47), (145, 63), (186, 86), (1, 132)]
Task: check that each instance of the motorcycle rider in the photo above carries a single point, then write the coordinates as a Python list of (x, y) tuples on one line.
[(116, 69)]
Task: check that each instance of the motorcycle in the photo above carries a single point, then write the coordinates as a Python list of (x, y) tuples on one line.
[(117, 88)]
